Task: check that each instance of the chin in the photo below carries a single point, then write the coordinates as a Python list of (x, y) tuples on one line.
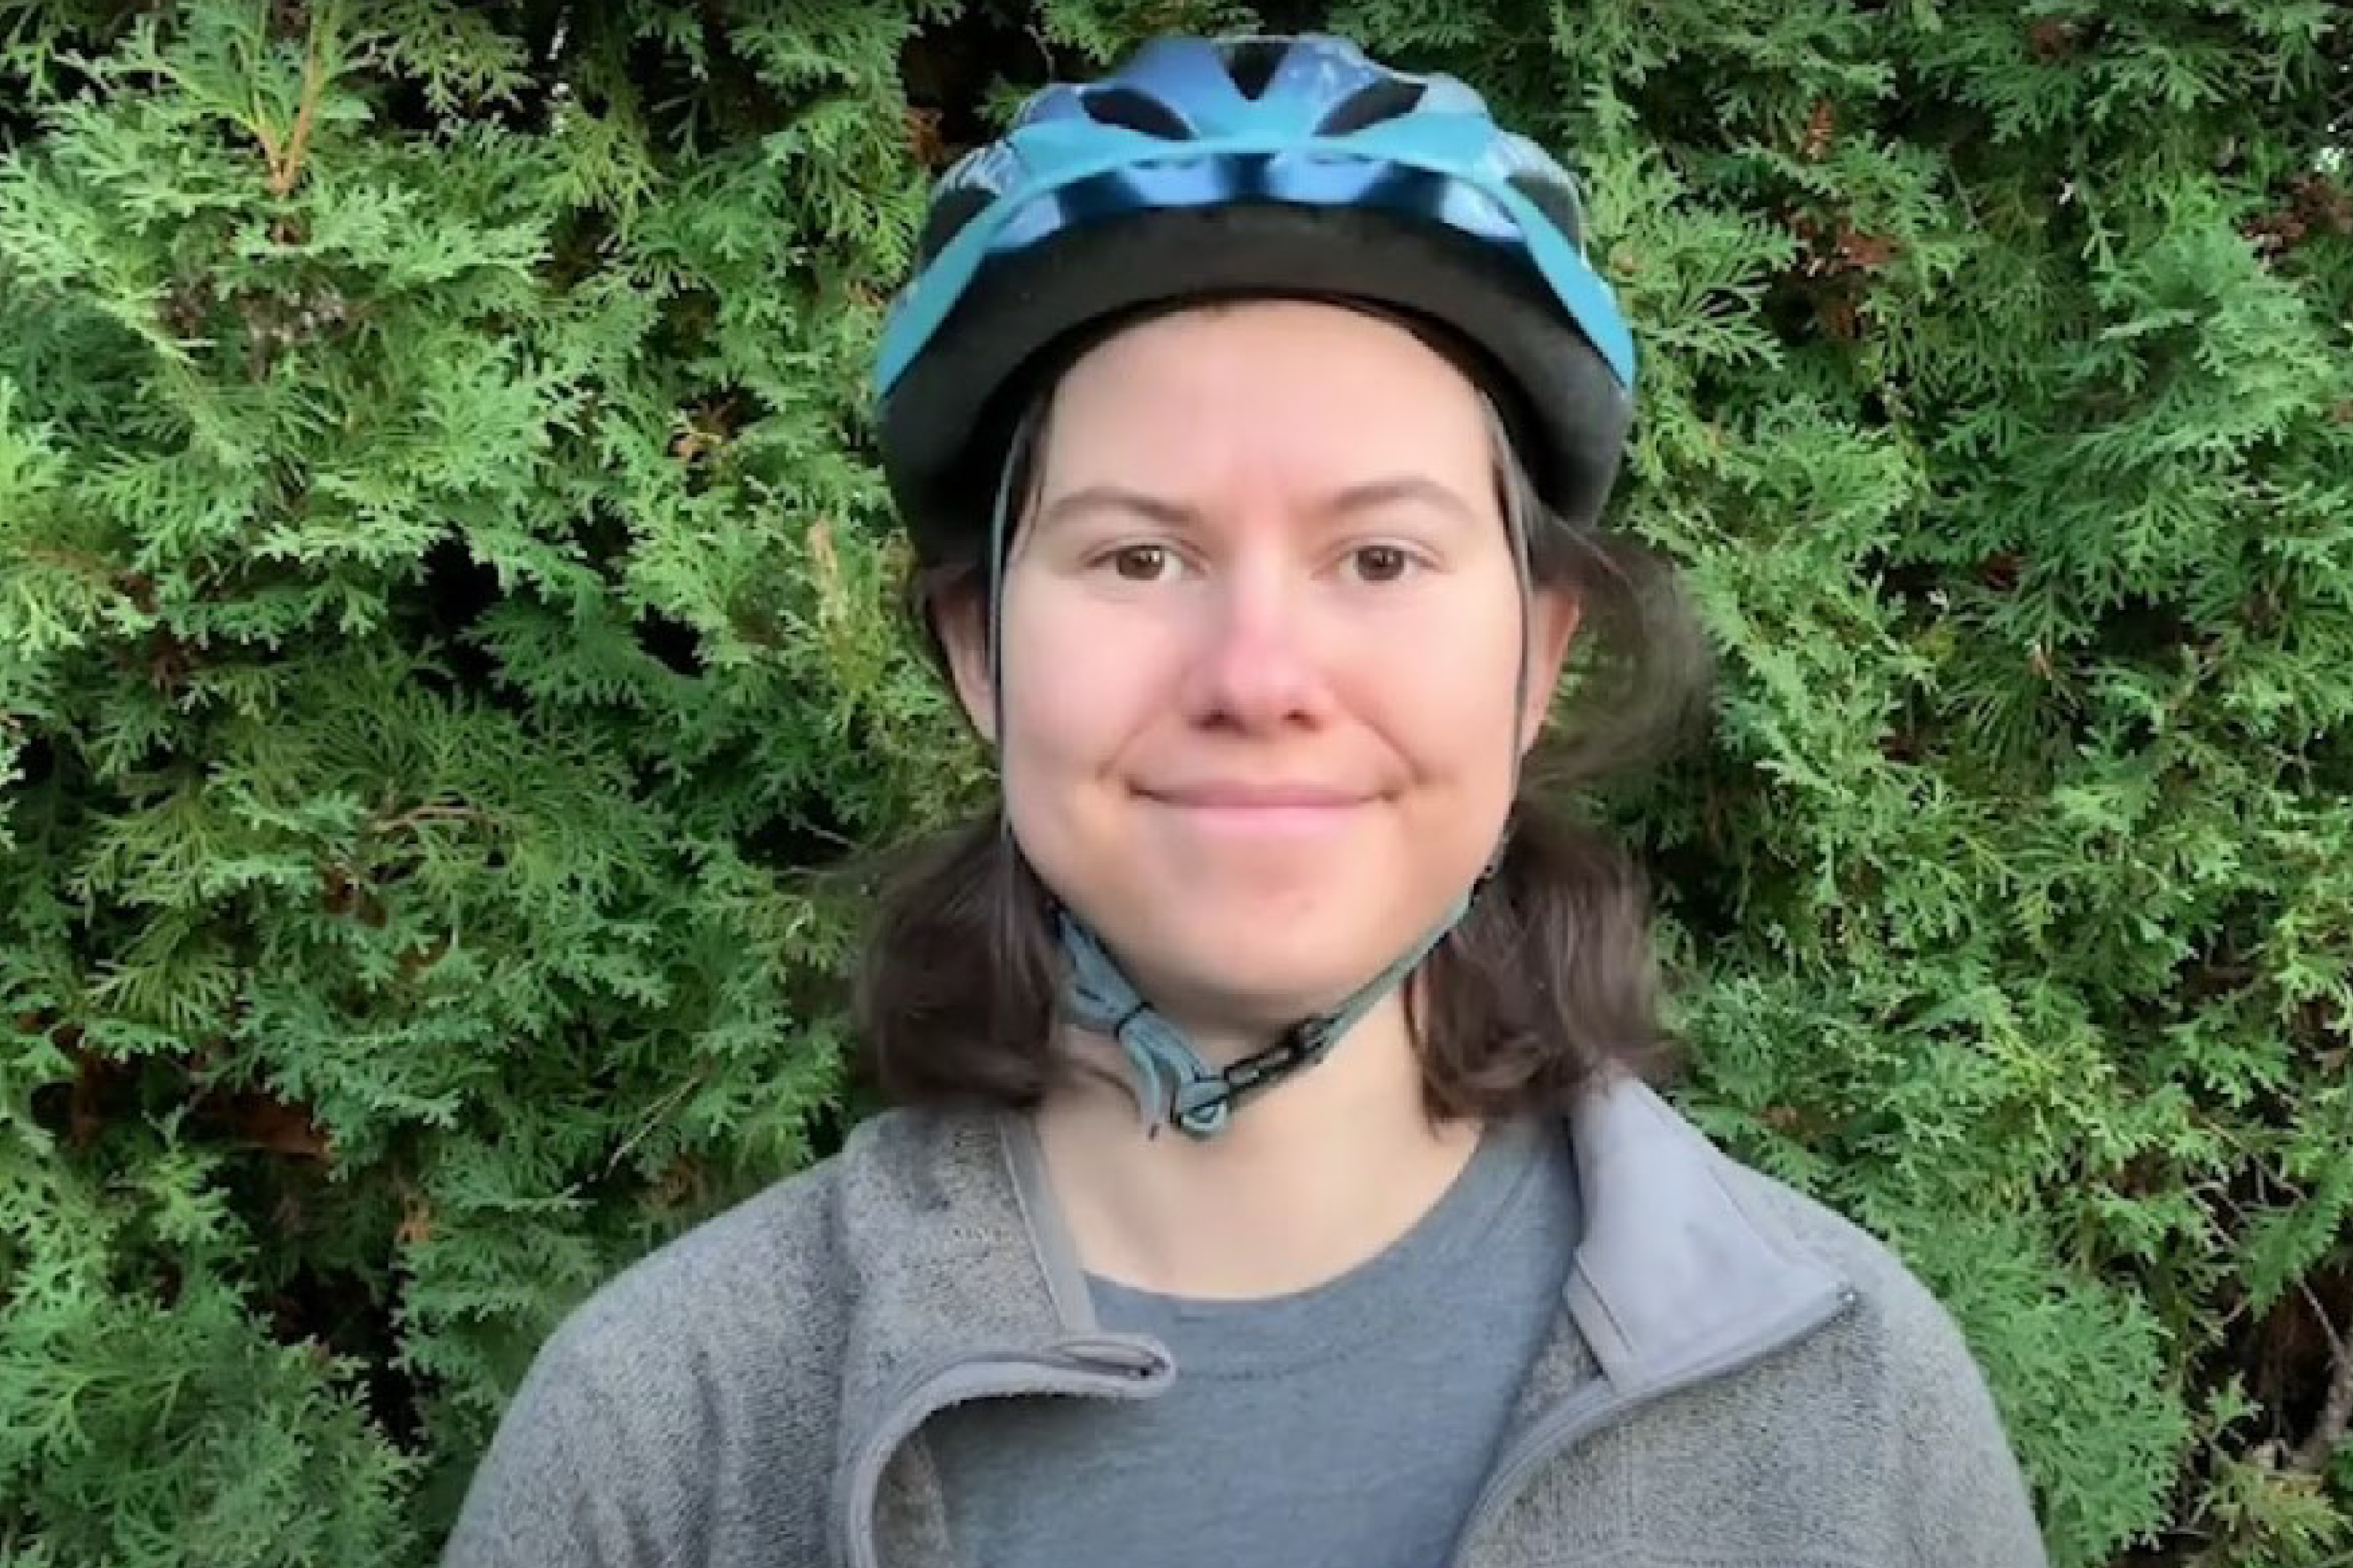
[(1269, 941), (1257, 976)]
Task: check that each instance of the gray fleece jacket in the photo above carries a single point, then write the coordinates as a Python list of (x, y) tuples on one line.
[(1738, 1377)]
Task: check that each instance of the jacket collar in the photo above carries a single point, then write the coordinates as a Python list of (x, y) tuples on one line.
[(1678, 1266), (962, 1278), (956, 1247)]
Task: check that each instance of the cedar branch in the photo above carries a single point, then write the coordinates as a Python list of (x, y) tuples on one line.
[(2328, 1435), (285, 157), (417, 816)]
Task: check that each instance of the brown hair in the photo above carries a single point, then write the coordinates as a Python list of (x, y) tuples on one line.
[(1548, 979)]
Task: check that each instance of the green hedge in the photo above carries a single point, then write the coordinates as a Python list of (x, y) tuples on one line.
[(443, 646)]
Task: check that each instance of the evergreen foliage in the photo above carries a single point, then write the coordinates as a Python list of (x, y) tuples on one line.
[(446, 637)]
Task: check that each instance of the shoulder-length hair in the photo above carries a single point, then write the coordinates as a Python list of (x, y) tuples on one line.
[(1547, 980)]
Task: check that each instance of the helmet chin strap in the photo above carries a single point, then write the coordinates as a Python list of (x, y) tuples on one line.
[(1172, 1083), (1170, 1080)]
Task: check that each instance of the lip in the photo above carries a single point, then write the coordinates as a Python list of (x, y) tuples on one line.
[(1260, 813), (1239, 797)]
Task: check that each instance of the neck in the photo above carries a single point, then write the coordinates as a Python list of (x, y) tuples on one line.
[(1311, 1177)]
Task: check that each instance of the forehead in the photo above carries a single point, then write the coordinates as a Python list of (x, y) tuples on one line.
[(1286, 389)]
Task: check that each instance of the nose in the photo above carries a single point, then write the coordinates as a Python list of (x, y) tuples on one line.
[(1258, 665)]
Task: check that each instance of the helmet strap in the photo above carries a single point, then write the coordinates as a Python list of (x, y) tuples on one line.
[(1171, 1082)]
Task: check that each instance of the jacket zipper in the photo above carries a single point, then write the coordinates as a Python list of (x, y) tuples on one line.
[(1581, 1416), (1110, 1368)]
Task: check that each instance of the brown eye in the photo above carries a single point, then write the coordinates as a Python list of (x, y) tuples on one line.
[(1141, 563), (1381, 562)]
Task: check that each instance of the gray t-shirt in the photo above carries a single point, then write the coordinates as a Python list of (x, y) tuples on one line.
[(1349, 1425)]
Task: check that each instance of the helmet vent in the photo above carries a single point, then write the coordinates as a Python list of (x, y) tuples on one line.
[(1370, 105), (1251, 63), (1126, 107), (949, 214), (1556, 201)]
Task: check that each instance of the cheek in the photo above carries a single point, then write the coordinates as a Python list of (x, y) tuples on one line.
[(1451, 692), (1076, 683), (1459, 746)]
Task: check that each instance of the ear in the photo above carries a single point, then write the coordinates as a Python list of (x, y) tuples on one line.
[(1553, 616), (960, 619)]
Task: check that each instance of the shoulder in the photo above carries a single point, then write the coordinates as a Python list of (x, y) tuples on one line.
[(646, 1403), (1897, 1370), (1895, 1309), (765, 1287), (699, 1385), (731, 1288), (1714, 1220), (770, 1274)]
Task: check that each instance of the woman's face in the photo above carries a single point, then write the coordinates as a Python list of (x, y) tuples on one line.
[(1260, 638)]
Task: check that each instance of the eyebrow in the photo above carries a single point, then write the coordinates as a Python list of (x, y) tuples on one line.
[(1359, 496), (1115, 498)]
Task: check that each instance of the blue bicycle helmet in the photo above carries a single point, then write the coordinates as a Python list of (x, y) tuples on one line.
[(1248, 167), (1262, 166)]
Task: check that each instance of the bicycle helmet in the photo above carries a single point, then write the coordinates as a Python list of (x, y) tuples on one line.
[(1254, 166), (1258, 166)]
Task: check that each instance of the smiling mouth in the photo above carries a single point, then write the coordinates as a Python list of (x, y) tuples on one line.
[(1253, 808), (1224, 798)]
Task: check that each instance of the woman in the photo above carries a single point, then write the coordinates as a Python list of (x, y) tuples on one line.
[(1273, 1180)]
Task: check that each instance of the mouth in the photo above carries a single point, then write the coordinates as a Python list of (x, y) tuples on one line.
[(1277, 809)]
